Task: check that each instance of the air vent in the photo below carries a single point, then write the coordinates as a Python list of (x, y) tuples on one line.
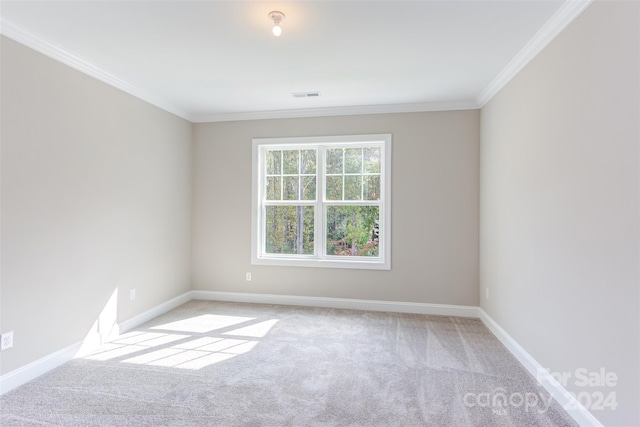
[(305, 94)]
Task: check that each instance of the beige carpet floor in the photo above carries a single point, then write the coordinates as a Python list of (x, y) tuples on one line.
[(228, 364)]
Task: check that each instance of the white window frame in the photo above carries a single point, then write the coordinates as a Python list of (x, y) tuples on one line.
[(320, 259)]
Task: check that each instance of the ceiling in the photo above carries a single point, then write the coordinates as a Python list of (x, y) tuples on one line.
[(218, 60)]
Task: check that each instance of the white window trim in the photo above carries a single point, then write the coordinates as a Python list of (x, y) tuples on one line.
[(382, 262)]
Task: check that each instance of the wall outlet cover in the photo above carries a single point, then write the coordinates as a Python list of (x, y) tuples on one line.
[(6, 340)]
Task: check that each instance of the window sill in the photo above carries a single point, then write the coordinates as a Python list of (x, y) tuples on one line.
[(322, 263)]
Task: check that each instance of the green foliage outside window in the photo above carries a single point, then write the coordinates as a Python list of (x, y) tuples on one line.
[(352, 230), (351, 174), (289, 230)]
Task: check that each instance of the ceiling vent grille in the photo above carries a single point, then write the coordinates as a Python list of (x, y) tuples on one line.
[(305, 94)]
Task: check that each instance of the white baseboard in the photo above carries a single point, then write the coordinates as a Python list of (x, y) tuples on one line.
[(344, 303), (154, 312), (555, 389), (583, 417), (41, 366), (32, 370)]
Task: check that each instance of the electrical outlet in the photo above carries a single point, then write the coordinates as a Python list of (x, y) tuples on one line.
[(486, 292), (248, 277), (6, 340), (132, 294)]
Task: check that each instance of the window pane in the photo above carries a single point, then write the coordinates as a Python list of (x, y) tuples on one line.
[(308, 161), (372, 187), (273, 188), (290, 160), (290, 187), (289, 229), (334, 188), (273, 162), (353, 160), (352, 230), (309, 188), (352, 187), (334, 160), (372, 160)]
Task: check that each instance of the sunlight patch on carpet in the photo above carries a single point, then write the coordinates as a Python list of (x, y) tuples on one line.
[(203, 324), (258, 330), (157, 346)]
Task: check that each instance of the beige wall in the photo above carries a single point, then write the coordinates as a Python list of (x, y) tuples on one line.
[(560, 204), (434, 210), (96, 196)]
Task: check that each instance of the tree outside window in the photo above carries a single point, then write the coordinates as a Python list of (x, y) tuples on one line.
[(322, 201)]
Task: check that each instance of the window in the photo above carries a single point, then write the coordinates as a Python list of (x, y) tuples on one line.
[(322, 201)]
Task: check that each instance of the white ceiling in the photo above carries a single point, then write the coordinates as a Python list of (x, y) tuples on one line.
[(217, 60)]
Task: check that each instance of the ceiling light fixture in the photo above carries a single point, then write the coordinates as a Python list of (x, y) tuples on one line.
[(276, 17)]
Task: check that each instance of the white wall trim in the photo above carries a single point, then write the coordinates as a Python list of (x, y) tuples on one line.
[(32, 370), (39, 44), (581, 415), (342, 303), (558, 22), (154, 312), (569, 11), (338, 111), (45, 364)]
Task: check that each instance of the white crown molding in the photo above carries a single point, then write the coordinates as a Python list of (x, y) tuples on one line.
[(569, 11), (338, 111), (71, 59), (582, 416), (565, 15), (39, 44)]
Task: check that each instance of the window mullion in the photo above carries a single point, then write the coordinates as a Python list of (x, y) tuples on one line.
[(343, 176), (289, 203), (299, 174), (319, 234), (353, 203), (362, 174), (281, 173), (273, 212), (261, 189)]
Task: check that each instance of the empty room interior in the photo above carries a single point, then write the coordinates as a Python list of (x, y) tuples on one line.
[(364, 213)]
